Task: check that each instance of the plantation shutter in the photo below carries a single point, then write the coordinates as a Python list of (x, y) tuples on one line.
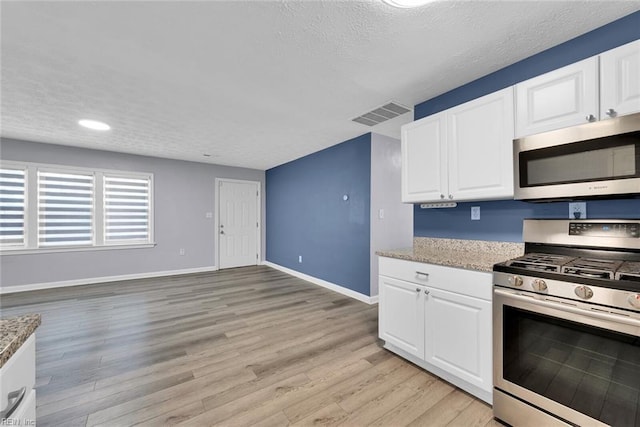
[(65, 209), (12, 207), (127, 204)]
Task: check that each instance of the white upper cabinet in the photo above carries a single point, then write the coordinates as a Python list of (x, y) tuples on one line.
[(424, 157), (480, 139), (561, 98), (620, 81), (464, 153)]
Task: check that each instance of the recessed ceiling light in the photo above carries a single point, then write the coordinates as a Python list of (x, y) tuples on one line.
[(406, 4), (94, 124)]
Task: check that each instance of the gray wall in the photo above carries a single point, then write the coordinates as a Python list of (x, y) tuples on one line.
[(395, 230), (183, 193)]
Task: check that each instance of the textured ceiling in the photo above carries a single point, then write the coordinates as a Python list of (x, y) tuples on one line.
[(254, 83)]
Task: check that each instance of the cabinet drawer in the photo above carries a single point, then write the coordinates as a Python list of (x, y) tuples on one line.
[(409, 271), (19, 371), (466, 282)]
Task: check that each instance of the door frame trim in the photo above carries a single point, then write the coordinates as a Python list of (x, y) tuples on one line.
[(216, 215)]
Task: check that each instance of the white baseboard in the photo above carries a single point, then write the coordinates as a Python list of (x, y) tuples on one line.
[(332, 286), (93, 280)]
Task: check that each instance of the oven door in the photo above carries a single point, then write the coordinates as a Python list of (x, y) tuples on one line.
[(571, 361)]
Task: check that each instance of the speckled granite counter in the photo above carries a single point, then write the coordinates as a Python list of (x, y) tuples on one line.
[(14, 331), (477, 255)]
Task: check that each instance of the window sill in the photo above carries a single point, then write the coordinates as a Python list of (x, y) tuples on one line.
[(22, 251)]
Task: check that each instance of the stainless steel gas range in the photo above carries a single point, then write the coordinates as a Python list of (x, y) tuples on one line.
[(566, 326)]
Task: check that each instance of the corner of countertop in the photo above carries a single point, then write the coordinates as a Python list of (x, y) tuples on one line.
[(14, 331)]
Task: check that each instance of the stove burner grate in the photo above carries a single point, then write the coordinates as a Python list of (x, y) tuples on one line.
[(629, 270), (540, 262)]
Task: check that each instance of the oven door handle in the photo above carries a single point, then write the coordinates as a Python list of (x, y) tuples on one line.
[(572, 309)]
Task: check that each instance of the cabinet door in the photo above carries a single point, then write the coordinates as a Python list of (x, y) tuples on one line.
[(401, 315), (458, 336), (561, 98), (620, 81), (480, 144), (423, 160)]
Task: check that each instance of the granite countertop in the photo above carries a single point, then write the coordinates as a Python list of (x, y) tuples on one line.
[(14, 331), (479, 255)]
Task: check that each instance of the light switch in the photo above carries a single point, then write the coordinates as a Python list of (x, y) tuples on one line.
[(381, 213)]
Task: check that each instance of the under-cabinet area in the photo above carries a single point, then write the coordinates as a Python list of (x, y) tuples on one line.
[(440, 319)]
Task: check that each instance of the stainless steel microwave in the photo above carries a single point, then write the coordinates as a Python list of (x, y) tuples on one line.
[(594, 160)]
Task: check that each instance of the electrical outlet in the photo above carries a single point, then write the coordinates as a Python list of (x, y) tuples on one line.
[(475, 213), (578, 210), (182, 251), (299, 259)]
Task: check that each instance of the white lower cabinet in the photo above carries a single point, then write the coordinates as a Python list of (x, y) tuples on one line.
[(458, 336), (440, 319), (17, 382), (406, 331)]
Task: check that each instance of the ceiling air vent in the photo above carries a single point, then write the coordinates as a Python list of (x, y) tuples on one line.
[(382, 114)]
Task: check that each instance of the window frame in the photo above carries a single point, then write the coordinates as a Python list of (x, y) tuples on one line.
[(31, 212), (25, 232), (119, 174)]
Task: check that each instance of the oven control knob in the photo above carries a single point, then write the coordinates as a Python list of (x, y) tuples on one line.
[(634, 300), (515, 281), (583, 292), (539, 285)]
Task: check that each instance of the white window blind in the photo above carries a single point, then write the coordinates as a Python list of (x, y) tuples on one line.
[(127, 209), (12, 207), (65, 209)]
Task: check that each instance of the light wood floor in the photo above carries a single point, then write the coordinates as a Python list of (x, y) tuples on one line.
[(240, 347)]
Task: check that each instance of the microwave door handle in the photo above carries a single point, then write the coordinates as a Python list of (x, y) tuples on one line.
[(570, 309)]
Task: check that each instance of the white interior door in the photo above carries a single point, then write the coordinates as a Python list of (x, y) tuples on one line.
[(239, 223)]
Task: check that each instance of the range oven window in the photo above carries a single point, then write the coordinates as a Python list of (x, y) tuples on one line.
[(591, 370), (594, 160)]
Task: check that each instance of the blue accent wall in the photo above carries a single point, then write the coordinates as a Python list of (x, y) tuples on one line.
[(306, 214), (502, 220)]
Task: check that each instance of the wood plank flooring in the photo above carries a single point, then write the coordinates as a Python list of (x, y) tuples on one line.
[(241, 347)]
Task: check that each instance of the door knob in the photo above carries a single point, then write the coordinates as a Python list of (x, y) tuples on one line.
[(221, 231), (590, 118)]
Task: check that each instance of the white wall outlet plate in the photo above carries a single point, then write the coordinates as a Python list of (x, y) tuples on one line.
[(578, 210), (475, 213)]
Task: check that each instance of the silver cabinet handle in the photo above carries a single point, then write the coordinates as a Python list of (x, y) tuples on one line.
[(442, 196), (611, 112), (450, 197), (14, 399), (418, 290), (426, 292), (590, 118), (421, 275)]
